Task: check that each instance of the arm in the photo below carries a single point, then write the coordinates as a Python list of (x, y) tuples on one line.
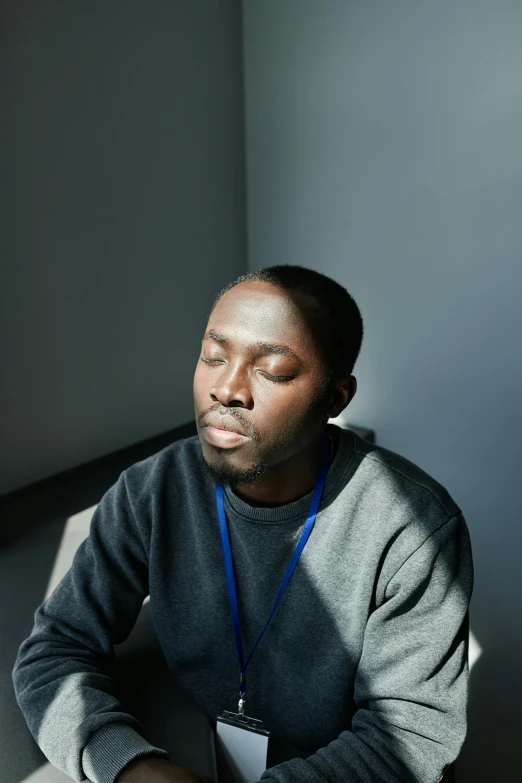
[(61, 676), (411, 686), (154, 770)]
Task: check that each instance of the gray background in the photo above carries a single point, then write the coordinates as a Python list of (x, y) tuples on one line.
[(122, 141), (383, 147)]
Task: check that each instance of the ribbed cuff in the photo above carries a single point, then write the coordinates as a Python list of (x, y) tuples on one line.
[(111, 748)]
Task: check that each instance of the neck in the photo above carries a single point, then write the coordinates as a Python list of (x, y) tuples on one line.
[(288, 480)]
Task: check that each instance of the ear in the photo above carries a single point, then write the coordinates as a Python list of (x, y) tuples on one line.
[(342, 394)]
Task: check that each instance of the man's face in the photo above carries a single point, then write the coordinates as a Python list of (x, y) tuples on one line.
[(235, 379)]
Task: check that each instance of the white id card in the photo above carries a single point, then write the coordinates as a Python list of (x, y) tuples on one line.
[(242, 746)]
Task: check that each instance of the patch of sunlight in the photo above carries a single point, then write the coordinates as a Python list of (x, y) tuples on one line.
[(75, 532), (475, 650), (47, 774)]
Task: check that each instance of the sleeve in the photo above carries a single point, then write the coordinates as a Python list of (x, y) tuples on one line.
[(62, 674), (411, 686)]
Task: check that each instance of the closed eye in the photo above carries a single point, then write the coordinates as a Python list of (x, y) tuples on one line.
[(275, 378)]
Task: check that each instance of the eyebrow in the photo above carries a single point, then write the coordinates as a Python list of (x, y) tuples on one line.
[(263, 346)]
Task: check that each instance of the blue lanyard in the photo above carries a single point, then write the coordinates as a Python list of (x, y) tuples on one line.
[(227, 554)]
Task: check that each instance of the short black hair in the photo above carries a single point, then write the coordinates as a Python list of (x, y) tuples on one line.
[(339, 322)]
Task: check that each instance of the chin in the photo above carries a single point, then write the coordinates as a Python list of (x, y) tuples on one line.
[(229, 474)]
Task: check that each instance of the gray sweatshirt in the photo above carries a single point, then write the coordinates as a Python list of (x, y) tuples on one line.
[(362, 673)]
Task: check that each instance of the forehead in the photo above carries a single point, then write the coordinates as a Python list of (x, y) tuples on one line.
[(256, 310)]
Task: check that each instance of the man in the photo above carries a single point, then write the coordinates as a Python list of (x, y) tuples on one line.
[(361, 675)]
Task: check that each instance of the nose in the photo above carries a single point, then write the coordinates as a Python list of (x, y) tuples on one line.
[(231, 388)]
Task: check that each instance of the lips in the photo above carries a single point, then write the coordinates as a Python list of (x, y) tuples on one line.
[(224, 423), (223, 432)]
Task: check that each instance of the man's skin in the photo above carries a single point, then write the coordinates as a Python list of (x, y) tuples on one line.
[(279, 459)]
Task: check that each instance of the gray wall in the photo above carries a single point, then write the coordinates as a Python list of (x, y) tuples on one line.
[(384, 147), (122, 213)]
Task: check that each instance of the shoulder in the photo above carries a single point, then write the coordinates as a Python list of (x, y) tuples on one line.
[(170, 466), (399, 505), (395, 480)]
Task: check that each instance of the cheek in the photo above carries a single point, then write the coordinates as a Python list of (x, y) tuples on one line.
[(199, 385), (281, 407)]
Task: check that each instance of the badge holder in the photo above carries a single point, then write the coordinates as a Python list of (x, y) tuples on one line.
[(241, 747)]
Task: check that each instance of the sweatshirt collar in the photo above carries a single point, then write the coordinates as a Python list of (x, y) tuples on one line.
[(300, 507)]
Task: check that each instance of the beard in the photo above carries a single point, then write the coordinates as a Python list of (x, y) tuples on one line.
[(229, 474)]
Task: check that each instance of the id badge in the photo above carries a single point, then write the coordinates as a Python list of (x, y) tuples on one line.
[(241, 748)]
